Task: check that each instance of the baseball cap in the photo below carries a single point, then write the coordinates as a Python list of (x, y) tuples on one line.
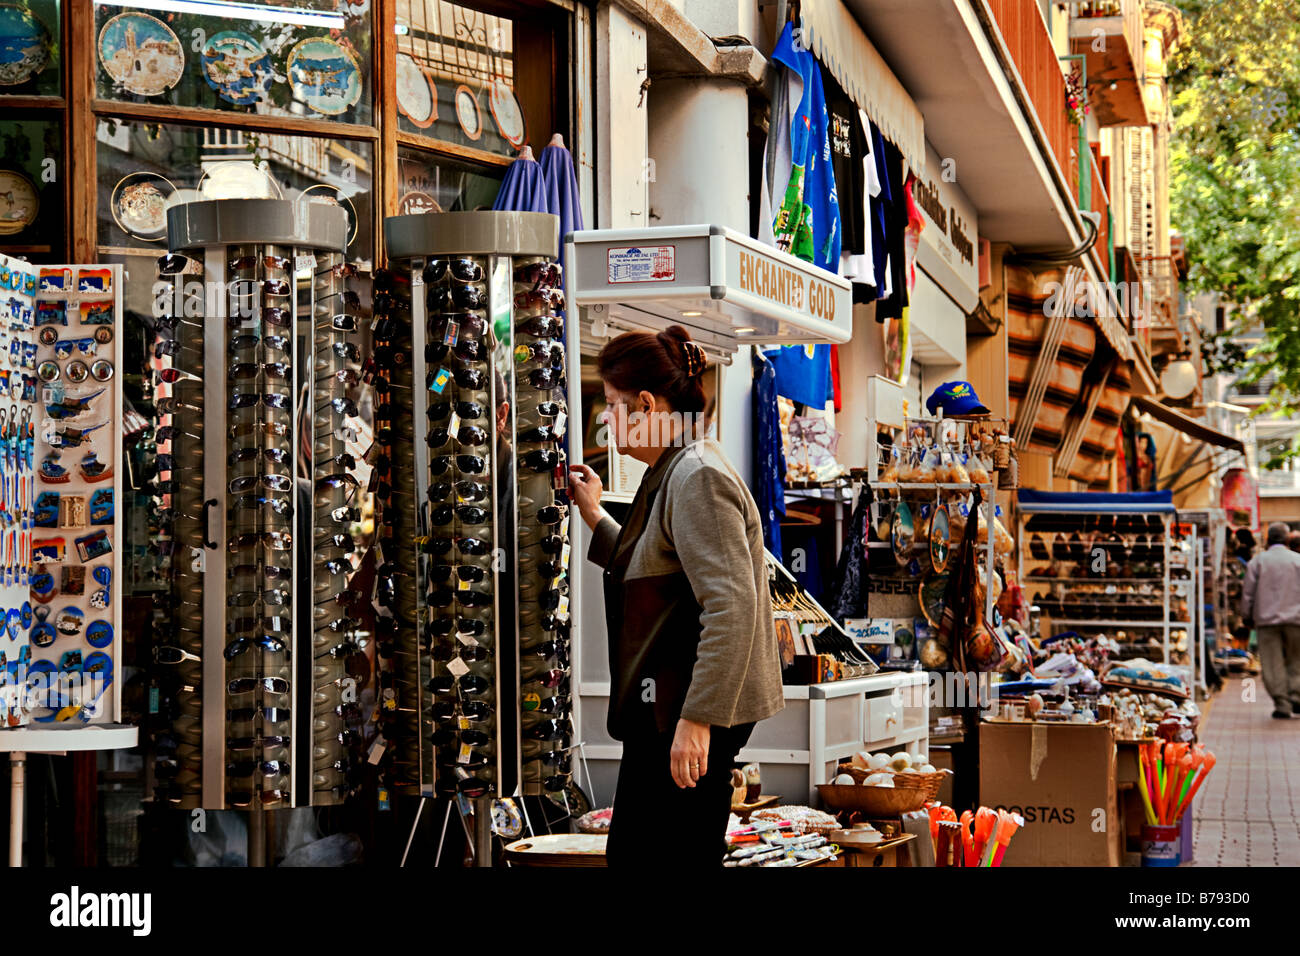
[(955, 398)]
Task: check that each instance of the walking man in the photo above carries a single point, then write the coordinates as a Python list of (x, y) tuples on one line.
[(1271, 601)]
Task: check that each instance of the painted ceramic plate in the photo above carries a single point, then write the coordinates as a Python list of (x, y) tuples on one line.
[(24, 45), (939, 537), (19, 202), (141, 54), (467, 112), (416, 99), (139, 205), (236, 66), (416, 203), (330, 195), (505, 110), (325, 75)]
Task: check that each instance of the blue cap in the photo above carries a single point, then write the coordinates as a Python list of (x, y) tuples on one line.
[(955, 398)]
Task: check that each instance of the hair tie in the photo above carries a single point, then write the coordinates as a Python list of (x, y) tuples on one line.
[(695, 360)]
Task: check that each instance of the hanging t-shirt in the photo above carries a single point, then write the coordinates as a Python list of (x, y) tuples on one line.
[(879, 204), (807, 223), (896, 220), (848, 149), (803, 373)]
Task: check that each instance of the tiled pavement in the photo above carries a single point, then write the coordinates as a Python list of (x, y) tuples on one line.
[(1248, 811)]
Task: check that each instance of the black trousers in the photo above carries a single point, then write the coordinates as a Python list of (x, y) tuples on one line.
[(659, 824)]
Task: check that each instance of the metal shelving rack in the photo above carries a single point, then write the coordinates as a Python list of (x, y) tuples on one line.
[(1072, 521)]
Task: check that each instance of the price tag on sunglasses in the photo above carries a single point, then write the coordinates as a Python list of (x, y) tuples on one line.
[(462, 585), (564, 555), (452, 335), (469, 640), (560, 421), (457, 667), (562, 611), (304, 263), (377, 750), (466, 753)]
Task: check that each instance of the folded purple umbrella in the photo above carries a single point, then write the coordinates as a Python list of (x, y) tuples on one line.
[(562, 196), (524, 187)]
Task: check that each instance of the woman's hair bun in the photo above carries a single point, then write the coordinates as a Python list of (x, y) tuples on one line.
[(684, 352)]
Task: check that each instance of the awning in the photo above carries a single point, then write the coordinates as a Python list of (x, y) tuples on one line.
[(1088, 502), (1188, 426), (837, 41), (725, 288)]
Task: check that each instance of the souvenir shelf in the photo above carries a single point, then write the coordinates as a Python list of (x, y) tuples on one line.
[(921, 487), (490, 592), (256, 379), (60, 494), (1068, 553)]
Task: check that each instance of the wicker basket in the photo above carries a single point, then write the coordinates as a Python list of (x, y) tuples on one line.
[(929, 782), (876, 801)]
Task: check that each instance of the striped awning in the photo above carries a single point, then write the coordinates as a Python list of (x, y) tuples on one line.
[(1069, 389)]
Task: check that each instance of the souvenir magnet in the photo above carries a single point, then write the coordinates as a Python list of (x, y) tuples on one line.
[(99, 634), (101, 370), (69, 621), (48, 371), (76, 371)]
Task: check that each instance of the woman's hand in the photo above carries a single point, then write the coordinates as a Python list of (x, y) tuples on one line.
[(585, 489), (690, 754)]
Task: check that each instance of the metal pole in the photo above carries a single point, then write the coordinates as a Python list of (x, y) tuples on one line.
[(17, 779), (483, 831), (257, 837)]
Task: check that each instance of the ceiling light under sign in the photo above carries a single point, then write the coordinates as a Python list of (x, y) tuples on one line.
[(692, 314)]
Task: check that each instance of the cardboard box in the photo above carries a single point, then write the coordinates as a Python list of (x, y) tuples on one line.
[(1061, 778)]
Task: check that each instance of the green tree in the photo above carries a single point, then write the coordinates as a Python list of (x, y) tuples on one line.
[(1235, 163)]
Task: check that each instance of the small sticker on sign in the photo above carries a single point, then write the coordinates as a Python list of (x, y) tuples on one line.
[(641, 264), (304, 264)]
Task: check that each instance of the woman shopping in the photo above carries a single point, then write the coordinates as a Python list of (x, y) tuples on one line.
[(693, 653)]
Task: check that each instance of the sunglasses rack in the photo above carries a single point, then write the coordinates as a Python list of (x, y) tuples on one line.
[(537, 373), (177, 360), (62, 448), (340, 445), (489, 526), (397, 657), (274, 538)]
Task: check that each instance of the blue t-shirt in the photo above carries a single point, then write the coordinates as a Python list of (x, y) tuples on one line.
[(803, 373), (810, 148)]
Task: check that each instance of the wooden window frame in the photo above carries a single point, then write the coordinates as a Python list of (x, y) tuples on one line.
[(80, 110)]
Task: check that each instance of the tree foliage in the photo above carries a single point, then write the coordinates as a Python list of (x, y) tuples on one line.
[(1235, 162)]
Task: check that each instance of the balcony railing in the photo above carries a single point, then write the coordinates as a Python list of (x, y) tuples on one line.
[(1026, 37)]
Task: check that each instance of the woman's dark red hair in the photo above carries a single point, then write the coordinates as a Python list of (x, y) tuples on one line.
[(667, 364)]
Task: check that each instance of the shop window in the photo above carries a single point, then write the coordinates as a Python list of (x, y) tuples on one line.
[(31, 45), (144, 168), (428, 183), (310, 59), (482, 78), (32, 221)]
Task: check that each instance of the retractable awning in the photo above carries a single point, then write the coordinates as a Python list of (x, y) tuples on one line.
[(725, 288), (1188, 426)]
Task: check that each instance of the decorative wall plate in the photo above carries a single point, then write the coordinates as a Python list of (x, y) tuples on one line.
[(24, 45), (139, 205), (325, 75), (417, 97), (467, 112), (141, 54), (416, 203), (507, 113), (237, 67), (19, 202)]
